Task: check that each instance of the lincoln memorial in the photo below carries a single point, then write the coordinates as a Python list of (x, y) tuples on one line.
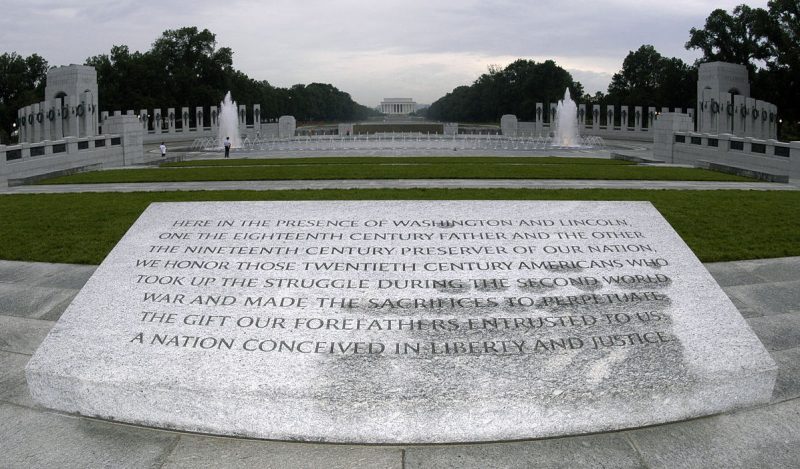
[(398, 106)]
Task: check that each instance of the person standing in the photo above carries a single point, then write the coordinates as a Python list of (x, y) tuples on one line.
[(227, 146), (163, 149)]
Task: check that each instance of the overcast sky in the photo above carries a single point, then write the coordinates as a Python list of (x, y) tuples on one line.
[(370, 49)]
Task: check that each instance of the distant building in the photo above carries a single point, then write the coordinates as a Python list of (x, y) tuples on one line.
[(397, 106)]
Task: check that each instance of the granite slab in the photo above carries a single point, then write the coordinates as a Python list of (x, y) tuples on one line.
[(400, 322)]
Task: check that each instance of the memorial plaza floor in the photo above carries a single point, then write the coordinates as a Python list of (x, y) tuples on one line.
[(33, 296), (766, 292)]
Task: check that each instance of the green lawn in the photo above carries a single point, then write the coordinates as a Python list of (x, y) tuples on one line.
[(399, 168), (717, 225)]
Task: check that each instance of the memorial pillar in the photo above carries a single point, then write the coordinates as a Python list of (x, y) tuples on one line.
[(539, 118), (49, 118), (624, 117), (199, 118), (773, 121), (763, 126), (157, 121), (74, 130), (638, 118), (171, 118), (596, 116), (582, 116), (36, 131), (145, 120), (257, 119), (739, 115), (725, 113), (752, 115), (242, 118), (185, 119), (610, 117), (651, 116)]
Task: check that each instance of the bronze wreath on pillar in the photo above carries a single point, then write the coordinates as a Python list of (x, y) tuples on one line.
[(714, 107), (39, 117), (743, 111), (51, 114), (80, 110), (755, 114), (729, 109)]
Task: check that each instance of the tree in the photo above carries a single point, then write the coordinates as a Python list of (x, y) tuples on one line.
[(731, 38), (22, 82), (768, 42), (512, 90), (649, 79), (184, 67)]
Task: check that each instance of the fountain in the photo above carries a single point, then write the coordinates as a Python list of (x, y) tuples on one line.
[(229, 122), (566, 132)]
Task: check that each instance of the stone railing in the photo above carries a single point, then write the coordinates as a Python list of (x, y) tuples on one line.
[(30, 161), (611, 122), (765, 159)]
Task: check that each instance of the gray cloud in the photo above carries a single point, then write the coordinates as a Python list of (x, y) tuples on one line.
[(410, 48)]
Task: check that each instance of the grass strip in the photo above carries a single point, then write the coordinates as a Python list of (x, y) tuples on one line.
[(383, 160), (717, 225), (378, 171)]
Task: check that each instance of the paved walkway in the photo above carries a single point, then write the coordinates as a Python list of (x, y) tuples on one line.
[(398, 184), (33, 296)]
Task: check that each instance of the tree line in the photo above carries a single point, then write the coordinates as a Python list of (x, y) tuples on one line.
[(765, 40), (184, 67)]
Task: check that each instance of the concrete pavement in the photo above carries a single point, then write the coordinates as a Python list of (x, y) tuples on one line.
[(33, 295)]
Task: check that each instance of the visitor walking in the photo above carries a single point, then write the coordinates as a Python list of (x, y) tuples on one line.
[(163, 149), (227, 146)]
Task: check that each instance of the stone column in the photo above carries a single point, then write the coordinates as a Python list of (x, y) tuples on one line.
[(171, 118), (597, 115), (74, 130), (725, 113), (539, 118), (199, 117), (508, 125), (157, 120), (22, 120), (664, 129), (582, 116), (750, 123), (36, 131), (739, 115), (25, 128), (713, 111), (257, 119), (286, 126), (242, 118), (47, 126), (144, 119), (86, 121), (773, 121), (130, 130), (651, 116), (763, 109), (214, 110), (624, 117), (610, 116), (638, 118), (185, 118)]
